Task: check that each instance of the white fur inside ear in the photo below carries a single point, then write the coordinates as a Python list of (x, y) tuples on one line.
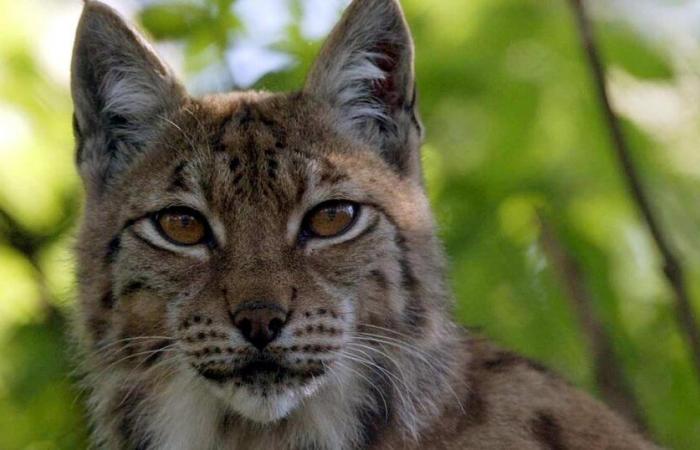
[(365, 73), (117, 74), (138, 98), (123, 93), (135, 85), (352, 86), (129, 94)]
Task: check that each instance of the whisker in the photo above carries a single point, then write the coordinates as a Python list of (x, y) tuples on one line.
[(369, 382), (128, 376), (369, 338), (392, 378), (100, 349), (134, 355)]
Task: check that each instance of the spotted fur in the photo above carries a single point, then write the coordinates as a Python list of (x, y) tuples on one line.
[(367, 356)]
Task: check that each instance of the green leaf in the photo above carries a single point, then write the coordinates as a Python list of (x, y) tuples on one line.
[(173, 20), (633, 52)]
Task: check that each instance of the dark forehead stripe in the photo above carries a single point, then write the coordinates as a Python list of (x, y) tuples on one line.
[(274, 193), (243, 135), (276, 130), (245, 117), (252, 120), (260, 156), (272, 165), (177, 179), (216, 140), (250, 116), (256, 144)]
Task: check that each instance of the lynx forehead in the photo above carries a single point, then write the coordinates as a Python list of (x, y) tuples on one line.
[(261, 270)]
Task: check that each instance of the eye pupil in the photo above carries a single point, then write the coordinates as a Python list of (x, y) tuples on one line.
[(186, 221)]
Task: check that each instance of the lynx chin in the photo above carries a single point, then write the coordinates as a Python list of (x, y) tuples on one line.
[(261, 270)]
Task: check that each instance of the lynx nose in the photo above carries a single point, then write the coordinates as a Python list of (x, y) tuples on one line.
[(259, 322)]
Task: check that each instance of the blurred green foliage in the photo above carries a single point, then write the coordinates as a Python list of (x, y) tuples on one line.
[(514, 133)]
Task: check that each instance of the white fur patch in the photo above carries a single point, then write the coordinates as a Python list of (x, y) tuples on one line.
[(187, 417), (271, 408)]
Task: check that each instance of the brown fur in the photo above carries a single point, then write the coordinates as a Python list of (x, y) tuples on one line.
[(372, 359)]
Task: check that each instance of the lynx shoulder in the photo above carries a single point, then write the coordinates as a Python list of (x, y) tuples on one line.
[(261, 271)]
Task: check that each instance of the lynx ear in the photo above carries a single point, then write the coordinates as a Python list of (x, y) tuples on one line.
[(121, 92), (365, 71)]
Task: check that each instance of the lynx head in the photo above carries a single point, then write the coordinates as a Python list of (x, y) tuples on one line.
[(264, 245)]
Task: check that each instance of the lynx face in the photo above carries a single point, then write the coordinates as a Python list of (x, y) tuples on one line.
[(260, 245)]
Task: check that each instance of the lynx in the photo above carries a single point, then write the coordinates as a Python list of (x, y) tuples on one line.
[(261, 271)]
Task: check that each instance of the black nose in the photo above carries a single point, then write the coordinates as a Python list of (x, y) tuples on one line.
[(259, 322)]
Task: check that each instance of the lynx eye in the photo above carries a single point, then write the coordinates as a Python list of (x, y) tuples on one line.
[(330, 219), (182, 226)]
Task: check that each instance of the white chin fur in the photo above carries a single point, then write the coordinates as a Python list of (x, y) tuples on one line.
[(273, 407), (264, 409)]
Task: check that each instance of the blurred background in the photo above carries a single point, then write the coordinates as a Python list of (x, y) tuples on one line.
[(548, 254)]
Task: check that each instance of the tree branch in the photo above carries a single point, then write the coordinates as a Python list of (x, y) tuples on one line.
[(673, 270), (609, 375)]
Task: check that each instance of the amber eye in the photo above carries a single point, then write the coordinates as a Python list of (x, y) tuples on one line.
[(182, 226), (331, 219)]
